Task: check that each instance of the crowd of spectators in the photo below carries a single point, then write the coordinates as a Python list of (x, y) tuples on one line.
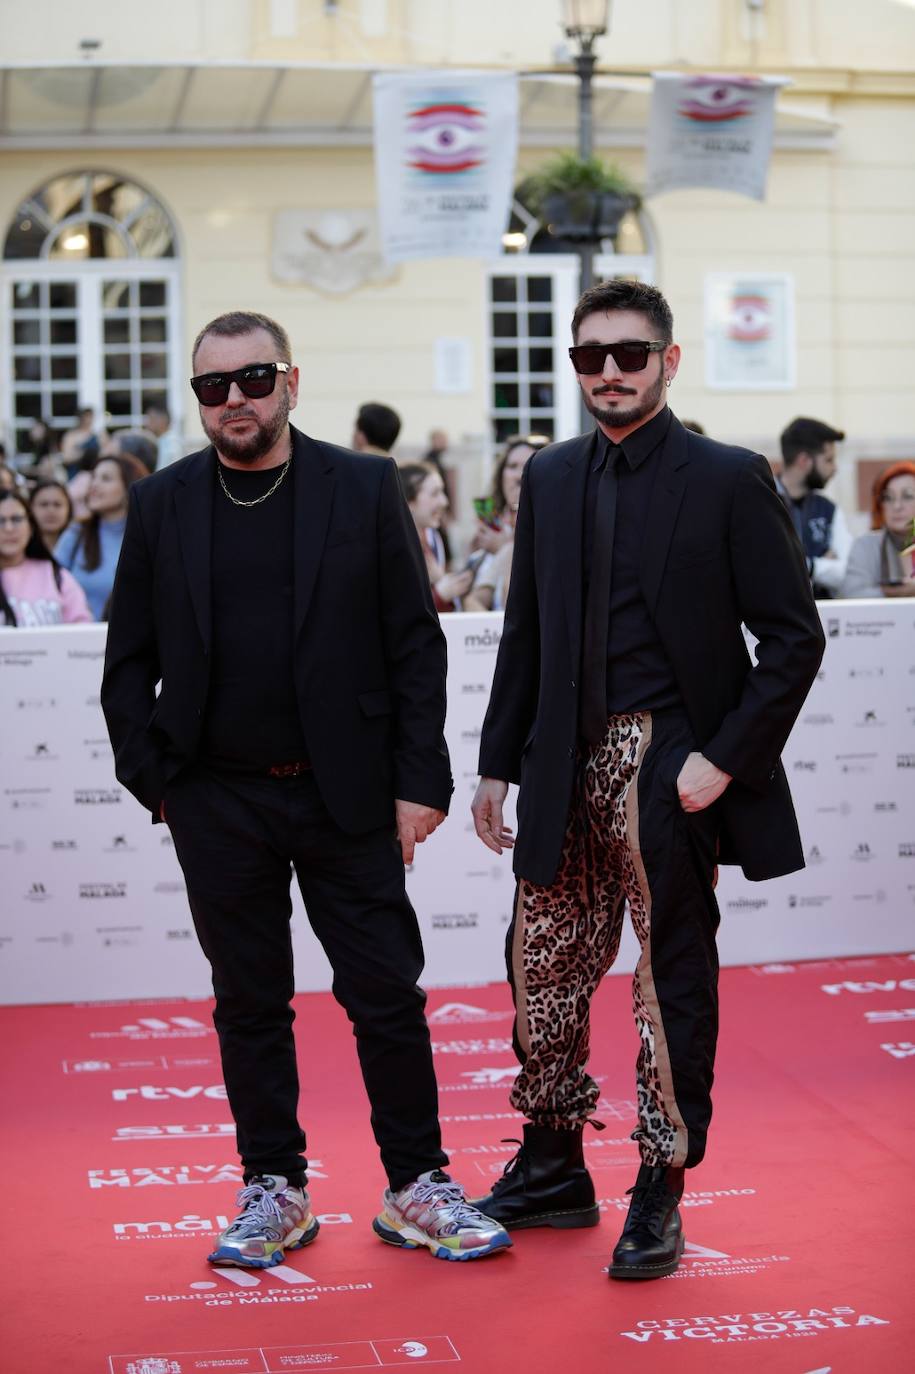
[(71, 506), (64, 506)]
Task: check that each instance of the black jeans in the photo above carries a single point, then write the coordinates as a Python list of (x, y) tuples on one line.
[(237, 839)]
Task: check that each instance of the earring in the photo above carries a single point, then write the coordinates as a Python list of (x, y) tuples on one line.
[(668, 380)]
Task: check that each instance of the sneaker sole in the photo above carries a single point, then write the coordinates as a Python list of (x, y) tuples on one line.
[(411, 1240), (648, 1271), (226, 1256)]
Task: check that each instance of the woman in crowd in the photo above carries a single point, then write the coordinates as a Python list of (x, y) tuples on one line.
[(875, 567), (34, 590), (491, 586), (90, 547), (8, 479), (52, 510), (41, 458), (425, 494)]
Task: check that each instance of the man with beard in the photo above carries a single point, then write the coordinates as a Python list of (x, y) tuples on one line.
[(646, 744), (274, 586), (808, 464)]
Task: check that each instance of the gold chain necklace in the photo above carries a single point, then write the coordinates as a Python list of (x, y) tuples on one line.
[(258, 499)]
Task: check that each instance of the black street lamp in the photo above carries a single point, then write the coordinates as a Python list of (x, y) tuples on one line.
[(585, 21)]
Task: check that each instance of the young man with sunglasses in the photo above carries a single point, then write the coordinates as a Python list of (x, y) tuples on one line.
[(646, 744), (274, 587)]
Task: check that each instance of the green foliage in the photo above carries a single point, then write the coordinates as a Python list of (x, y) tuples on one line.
[(579, 179)]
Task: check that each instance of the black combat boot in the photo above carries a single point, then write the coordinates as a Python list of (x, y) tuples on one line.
[(652, 1240), (546, 1184)]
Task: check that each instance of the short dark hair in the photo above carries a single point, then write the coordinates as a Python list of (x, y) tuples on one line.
[(804, 435), (379, 423), (159, 408), (237, 322), (620, 294), (138, 444), (412, 476)]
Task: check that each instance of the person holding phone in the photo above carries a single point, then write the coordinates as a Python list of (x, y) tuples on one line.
[(876, 563), (496, 528)]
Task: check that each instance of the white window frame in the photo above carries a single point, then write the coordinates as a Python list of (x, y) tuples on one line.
[(563, 268), (87, 274)]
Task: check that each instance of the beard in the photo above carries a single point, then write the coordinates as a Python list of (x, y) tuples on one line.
[(621, 418), (815, 479), (252, 446)]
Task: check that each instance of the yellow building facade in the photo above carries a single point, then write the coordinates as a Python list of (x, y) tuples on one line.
[(209, 133)]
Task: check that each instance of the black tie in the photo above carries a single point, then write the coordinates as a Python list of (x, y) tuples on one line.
[(597, 609)]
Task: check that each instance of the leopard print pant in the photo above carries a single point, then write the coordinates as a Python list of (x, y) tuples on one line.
[(564, 940)]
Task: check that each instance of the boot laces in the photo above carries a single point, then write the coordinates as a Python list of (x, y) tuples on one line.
[(650, 1205), (517, 1160)]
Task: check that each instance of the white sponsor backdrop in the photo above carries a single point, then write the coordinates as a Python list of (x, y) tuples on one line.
[(94, 904)]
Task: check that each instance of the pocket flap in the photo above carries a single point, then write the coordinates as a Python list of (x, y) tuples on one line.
[(375, 703)]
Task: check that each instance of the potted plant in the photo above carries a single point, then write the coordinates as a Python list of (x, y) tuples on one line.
[(579, 200)]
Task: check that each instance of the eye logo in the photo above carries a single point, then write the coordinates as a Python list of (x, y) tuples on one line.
[(716, 102), (414, 1350), (444, 139), (749, 319)]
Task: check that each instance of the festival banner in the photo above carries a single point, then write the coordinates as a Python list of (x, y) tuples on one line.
[(712, 131), (445, 147), (750, 342)]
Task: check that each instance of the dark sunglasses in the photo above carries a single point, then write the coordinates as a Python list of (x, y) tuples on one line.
[(630, 355), (255, 381)]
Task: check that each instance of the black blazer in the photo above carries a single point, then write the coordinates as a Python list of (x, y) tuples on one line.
[(719, 550), (369, 653)]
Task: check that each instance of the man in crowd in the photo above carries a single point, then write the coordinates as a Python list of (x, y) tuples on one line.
[(646, 743), (275, 585), (376, 429), (159, 423), (808, 465)]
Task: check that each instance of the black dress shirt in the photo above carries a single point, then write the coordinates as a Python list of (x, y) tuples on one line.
[(639, 673)]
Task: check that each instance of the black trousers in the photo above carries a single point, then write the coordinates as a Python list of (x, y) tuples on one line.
[(628, 842), (237, 839)]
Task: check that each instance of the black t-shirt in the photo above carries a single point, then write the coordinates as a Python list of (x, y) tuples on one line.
[(252, 719)]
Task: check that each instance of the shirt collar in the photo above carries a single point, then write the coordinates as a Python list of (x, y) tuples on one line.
[(641, 443)]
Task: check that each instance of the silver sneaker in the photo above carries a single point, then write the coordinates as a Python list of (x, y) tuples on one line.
[(434, 1212), (275, 1217)]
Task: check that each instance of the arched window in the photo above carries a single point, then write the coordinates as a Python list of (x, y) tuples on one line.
[(91, 285)]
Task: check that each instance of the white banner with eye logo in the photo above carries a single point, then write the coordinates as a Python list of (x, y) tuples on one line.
[(445, 147), (711, 131), (750, 342)]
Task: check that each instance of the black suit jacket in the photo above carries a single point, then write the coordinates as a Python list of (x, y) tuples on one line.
[(369, 653), (719, 550)]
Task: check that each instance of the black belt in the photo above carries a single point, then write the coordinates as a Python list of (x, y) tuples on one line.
[(289, 770)]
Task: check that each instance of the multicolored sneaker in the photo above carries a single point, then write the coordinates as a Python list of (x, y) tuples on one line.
[(434, 1212), (275, 1217)]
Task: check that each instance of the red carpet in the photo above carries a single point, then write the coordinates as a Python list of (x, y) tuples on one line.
[(119, 1165)]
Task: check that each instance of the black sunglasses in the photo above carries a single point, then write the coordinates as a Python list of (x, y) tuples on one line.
[(254, 381), (630, 355)]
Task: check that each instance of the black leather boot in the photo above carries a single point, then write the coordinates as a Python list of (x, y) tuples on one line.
[(652, 1240), (546, 1184)]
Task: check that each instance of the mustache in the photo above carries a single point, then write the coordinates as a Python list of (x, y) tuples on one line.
[(236, 415), (614, 391)]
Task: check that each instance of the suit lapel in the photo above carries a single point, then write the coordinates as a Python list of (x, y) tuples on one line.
[(194, 511), (666, 496), (570, 502), (314, 481)]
